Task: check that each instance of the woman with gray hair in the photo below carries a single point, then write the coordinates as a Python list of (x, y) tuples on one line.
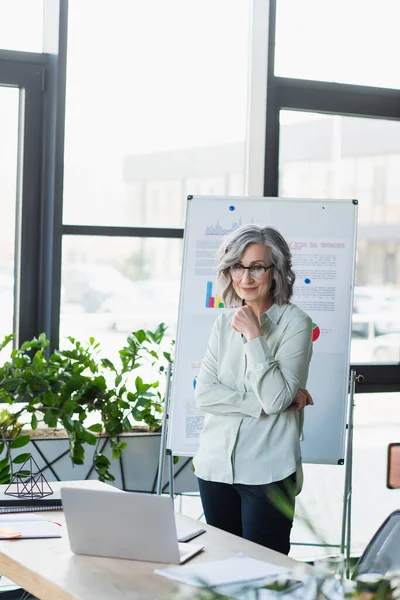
[(250, 387)]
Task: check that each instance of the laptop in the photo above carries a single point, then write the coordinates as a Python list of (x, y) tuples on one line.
[(124, 525)]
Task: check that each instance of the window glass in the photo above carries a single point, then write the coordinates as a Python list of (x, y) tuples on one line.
[(21, 25), (347, 41), (155, 109), (330, 156), (9, 103), (113, 286), (376, 424)]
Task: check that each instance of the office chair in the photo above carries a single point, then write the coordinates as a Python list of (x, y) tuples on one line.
[(13, 592), (16, 594), (382, 554)]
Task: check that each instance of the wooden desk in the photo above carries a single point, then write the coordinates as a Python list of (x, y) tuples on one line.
[(50, 571)]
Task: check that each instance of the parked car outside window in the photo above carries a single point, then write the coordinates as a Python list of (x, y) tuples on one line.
[(375, 339)]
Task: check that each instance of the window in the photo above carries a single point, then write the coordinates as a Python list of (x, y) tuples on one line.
[(21, 25), (21, 109), (376, 424), (156, 108), (9, 105), (330, 156), (347, 41), (112, 286)]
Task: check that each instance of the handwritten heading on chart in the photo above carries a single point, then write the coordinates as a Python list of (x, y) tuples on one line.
[(307, 245)]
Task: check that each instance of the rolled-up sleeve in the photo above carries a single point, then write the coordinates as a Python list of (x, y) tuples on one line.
[(276, 379), (214, 397)]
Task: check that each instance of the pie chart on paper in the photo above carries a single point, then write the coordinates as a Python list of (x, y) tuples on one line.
[(316, 332)]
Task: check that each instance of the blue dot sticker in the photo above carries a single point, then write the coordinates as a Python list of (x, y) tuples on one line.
[(231, 208), (307, 280)]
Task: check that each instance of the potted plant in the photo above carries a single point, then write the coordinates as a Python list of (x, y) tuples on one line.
[(81, 391)]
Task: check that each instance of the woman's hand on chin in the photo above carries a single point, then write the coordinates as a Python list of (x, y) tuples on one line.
[(246, 322)]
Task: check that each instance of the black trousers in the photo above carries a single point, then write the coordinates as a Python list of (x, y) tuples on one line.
[(260, 513)]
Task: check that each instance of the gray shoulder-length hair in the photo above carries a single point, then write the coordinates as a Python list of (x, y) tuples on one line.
[(232, 249)]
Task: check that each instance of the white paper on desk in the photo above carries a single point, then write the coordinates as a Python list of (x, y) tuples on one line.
[(14, 517), (239, 569), (32, 529), (307, 590)]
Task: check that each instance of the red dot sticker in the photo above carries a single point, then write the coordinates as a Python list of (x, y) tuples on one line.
[(316, 332)]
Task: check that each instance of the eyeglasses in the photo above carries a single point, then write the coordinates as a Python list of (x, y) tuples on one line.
[(255, 271)]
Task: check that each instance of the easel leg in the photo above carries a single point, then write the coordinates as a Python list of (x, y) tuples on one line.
[(163, 441), (171, 473), (346, 521)]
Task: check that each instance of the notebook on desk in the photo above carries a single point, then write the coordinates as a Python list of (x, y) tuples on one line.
[(33, 503), (14, 504), (124, 525)]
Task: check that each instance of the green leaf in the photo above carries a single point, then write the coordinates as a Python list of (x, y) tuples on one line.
[(20, 441), (101, 464), (12, 384), (90, 438), (69, 407), (6, 341), (101, 383), (21, 458), (68, 423), (5, 471), (49, 418), (19, 361), (108, 364), (106, 477), (116, 453), (24, 473), (97, 427), (34, 422), (49, 399), (4, 462), (126, 424), (43, 340), (136, 414), (158, 335), (140, 335)]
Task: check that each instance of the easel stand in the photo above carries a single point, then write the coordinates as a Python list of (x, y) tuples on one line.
[(348, 480)]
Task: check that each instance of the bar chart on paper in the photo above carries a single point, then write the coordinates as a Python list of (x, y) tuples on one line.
[(213, 301)]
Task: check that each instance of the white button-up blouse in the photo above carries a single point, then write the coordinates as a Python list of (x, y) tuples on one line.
[(244, 389)]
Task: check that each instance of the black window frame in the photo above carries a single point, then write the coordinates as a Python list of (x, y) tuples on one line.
[(25, 72)]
